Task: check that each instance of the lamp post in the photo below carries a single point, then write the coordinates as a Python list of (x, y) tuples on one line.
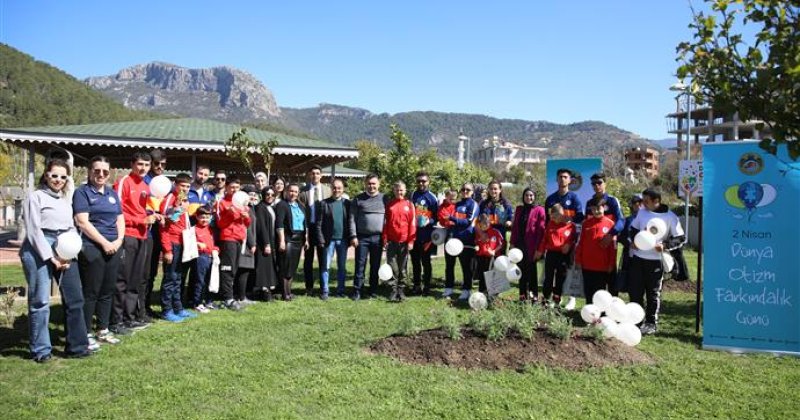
[(685, 89)]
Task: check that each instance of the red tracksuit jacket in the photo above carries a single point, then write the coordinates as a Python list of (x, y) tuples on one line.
[(171, 232), (204, 236), (232, 225), (446, 210), (589, 254), (487, 241), (133, 193), (556, 235), (400, 222)]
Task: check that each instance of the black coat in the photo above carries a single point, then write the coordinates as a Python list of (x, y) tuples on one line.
[(323, 232), (284, 220), (266, 265)]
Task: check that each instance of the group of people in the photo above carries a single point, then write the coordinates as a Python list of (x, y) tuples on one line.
[(254, 249)]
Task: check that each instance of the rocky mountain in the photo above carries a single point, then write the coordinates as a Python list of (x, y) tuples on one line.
[(440, 130), (233, 95), (222, 93)]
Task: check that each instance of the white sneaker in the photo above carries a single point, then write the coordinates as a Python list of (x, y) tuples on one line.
[(202, 309), (464, 295), (93, 344), (106, 336), (570, 304), (448, 291)]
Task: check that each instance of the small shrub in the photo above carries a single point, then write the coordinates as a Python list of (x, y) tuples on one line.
[(7, 306), (594, 333), (525, 321), (479, 321), (451, 323), (410, 324), (497, 326), (560, 327)]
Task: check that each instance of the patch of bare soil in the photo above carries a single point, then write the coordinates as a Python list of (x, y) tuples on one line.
[(679, 286), (514, 352)]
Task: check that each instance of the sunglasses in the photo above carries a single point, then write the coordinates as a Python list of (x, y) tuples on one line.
[(597, 182), (466, 190), (160, 164), (422, 181), (101, 172), (57, 176), (220, 179)]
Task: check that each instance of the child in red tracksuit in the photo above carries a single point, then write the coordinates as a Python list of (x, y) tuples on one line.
[(232, 222), (203, 264), (447, 209), (596, 261), (488, 243), (175, 208), (559, 235), (399, 234)]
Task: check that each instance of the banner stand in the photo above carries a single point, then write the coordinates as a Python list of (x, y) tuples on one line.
[(698, 299)]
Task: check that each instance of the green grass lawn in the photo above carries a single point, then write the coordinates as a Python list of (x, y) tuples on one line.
[(306, 359)]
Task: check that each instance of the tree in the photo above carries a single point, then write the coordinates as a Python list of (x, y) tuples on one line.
[(758, 74), (240, 146)]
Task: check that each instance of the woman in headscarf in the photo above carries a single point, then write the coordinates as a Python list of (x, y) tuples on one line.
[(526, 233)]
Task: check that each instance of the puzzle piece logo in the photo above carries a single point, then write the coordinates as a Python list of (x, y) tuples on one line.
[(750, 196)]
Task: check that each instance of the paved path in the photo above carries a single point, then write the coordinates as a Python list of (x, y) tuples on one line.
[(8, 248)]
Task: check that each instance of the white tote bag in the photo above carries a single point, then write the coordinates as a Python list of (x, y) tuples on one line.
[(213, 282), (189, 237), (496, 282), (573, 285)]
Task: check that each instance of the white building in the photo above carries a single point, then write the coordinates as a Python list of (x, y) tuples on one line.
[(504, 155)]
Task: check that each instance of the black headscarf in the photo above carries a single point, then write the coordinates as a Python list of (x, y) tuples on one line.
[(524, 204)]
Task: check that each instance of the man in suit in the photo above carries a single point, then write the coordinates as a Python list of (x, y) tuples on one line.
[(313, 192)]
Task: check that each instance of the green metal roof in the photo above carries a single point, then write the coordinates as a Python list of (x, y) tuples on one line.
[(180, 129)]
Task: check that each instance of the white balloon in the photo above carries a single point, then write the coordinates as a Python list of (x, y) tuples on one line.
[(438, 236), (160, 186), (385, 272), (590, 313), (609, 326), (513, 273), (617, 310), (602, 299), (658, 227), (453, 247), (645, 240), (478, 301), (502, 264), (68, 245), (515, 255), (241, 199), (629, 334), (635, 313)]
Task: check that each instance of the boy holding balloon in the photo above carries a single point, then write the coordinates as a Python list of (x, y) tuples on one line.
[(655, 230), (595, 261)]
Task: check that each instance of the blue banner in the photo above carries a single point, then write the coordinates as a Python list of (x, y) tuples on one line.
[(751, 242), (582, 170)]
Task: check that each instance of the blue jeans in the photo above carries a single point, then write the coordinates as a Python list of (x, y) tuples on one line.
[(338, 246), (39, 274), (203, 271), (171, 285), (372, 246)]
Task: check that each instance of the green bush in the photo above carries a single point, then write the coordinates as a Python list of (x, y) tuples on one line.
[(410, 324), (560, 327), (451, 323)]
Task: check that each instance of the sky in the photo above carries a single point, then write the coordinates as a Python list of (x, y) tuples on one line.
[(560, 61)]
